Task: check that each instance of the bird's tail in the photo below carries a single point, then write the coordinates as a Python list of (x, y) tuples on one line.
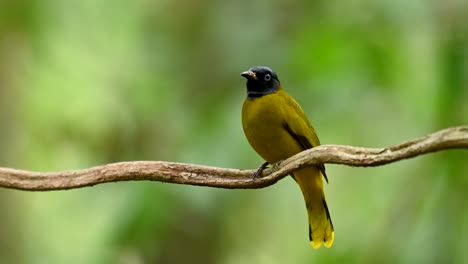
[(320, 224)]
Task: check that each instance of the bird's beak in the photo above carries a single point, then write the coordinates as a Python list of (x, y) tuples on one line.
[(249, 75)]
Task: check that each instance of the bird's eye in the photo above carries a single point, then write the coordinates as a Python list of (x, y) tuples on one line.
[(267, 77)]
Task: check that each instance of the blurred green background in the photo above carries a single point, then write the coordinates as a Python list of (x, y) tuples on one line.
[(87, 82)]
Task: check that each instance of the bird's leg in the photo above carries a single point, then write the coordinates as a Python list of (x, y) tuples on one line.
[(276, 165), (260, 169)]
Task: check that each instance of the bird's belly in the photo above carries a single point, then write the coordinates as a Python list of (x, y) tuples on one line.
[(271, 140)]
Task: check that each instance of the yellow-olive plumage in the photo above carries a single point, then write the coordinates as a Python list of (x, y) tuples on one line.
[(277, 128)]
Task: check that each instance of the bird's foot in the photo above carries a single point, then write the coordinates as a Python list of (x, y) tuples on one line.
[(276, 165), (259, 171)]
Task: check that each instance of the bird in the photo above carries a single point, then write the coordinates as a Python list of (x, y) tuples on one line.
[(277, 128)]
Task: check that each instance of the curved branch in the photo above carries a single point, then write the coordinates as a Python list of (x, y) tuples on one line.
[(172, 172)]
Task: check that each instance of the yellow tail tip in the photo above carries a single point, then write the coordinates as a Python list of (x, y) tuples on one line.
[(329, 240), (316, 244)]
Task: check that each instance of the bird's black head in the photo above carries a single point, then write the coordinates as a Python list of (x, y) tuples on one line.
[(261, 81)]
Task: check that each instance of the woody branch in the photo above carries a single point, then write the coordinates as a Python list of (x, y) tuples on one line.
[(192, 174)]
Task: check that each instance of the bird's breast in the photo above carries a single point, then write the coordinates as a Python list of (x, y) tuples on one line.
[(263, 121)]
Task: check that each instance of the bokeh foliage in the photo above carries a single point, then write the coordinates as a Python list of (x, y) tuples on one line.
[(89, 82)]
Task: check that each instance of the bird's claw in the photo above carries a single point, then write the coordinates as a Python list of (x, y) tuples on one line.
[(276, 165), (259, 171)]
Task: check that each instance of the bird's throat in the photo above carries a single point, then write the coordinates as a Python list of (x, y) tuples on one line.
[(255, 94), (256, 90)]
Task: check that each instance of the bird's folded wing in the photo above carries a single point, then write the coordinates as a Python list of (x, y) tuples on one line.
[(299, 127)]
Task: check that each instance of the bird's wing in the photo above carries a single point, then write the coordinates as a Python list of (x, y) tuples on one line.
[(299, 127)]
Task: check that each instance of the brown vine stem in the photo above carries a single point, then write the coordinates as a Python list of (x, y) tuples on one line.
[(172, 172)]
